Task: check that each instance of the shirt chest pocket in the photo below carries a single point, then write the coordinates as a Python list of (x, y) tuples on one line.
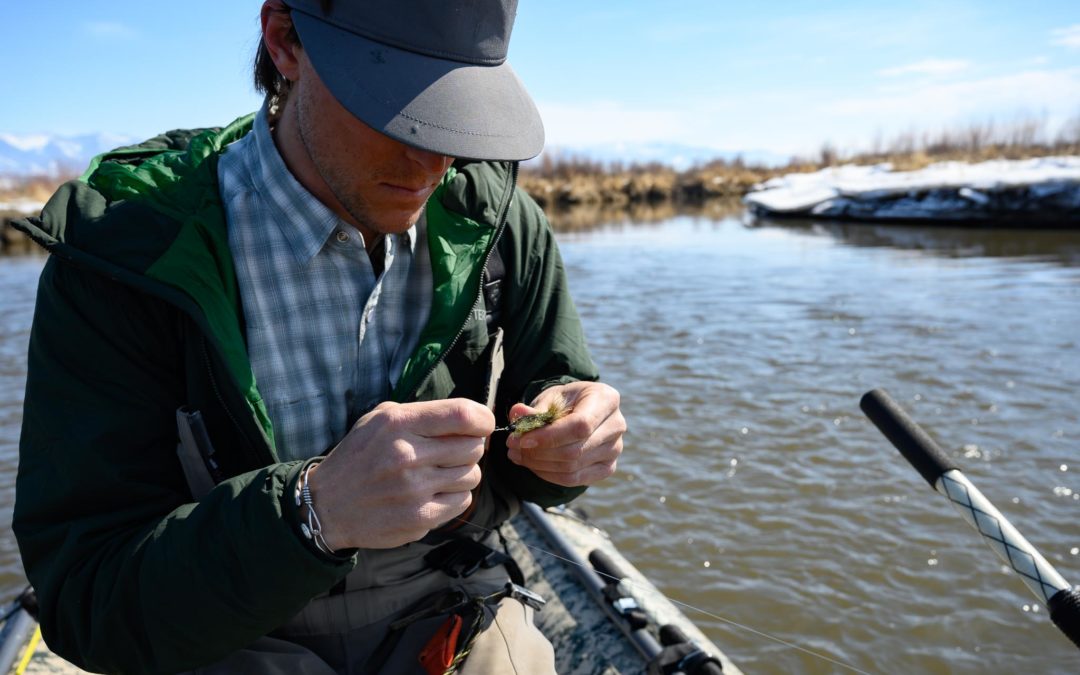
[(306, 423)]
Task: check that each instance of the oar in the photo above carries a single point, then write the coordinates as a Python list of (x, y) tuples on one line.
[(945, 476)]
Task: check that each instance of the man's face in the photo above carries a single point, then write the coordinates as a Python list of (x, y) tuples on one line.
[(382, 183)]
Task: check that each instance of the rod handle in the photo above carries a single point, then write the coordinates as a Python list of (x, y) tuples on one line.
[(608, 568), (1064, 609), (913, 443)]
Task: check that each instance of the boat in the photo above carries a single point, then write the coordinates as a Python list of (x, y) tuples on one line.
[(602, 615)]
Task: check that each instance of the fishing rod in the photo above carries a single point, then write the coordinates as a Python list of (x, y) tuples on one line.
[(679, 654), (675, 653), (945, 477)]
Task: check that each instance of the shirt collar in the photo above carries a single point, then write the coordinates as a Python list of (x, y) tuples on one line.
[(305, 222)]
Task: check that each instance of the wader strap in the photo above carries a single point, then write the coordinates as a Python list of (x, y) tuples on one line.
[(461, 557), (495, 369), (196, 453), (494, 271)]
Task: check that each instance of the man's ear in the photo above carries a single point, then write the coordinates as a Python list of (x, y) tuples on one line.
[(277, 26)]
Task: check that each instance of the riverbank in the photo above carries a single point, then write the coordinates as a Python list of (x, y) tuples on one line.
[(575, 182), (579, 194), (752, 486)]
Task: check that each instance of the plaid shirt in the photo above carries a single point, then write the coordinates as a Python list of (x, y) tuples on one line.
[(326, 338)]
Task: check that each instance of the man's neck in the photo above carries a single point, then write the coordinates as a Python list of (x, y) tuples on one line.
[(285, 130)]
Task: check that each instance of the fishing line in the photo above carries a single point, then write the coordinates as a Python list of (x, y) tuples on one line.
[(707, 613)]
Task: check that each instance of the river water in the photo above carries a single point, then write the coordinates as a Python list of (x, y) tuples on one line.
[(752, 489)]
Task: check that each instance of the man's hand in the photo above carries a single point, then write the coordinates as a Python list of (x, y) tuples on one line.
[(401, 471), (579, 449)]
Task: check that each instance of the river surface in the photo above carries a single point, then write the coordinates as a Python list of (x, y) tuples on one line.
[(752, 489)]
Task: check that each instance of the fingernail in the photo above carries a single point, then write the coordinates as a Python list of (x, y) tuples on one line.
[(527, 443)]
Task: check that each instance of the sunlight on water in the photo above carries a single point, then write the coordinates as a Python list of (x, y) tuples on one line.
[(752, 486), (732, 341)]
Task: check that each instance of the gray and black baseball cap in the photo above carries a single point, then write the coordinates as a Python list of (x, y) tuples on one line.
[(430, 73)]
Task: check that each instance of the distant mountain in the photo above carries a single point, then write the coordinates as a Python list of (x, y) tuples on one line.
[(52, 155), (679, 157)]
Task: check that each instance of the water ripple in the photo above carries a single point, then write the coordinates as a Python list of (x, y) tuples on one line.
[(755, 346)]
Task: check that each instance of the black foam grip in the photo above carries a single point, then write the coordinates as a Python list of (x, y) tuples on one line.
[(607, 567), (1064, 609), (913, 443), (670, 634)]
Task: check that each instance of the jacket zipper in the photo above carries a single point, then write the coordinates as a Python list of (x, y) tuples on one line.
[(504, 211)]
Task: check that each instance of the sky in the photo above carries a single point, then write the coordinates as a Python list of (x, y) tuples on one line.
[(778, 77)]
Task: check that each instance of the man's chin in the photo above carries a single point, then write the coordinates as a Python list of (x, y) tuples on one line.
[(388, 222)]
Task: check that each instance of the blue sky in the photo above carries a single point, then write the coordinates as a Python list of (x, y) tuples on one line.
[(783, 77)]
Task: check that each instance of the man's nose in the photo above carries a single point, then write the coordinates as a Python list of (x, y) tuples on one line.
[(431, 162)]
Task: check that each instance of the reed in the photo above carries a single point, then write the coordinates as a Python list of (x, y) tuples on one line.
[(565, 182)]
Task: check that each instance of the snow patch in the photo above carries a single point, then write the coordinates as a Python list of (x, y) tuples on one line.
[(941, 190), (26, 143), (22, 206)]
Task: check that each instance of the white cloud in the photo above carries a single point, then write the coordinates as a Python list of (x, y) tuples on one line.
[(1048, 98), (798, 120), (109, 30), (1067, 37), (1045, 89), (927, 67)]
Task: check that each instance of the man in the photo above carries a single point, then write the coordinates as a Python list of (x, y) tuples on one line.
[(305, 293)]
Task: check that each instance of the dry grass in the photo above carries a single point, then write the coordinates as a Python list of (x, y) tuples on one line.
[(32, 188), (18, 189), (572, 182), (563, 183), (977, 142)]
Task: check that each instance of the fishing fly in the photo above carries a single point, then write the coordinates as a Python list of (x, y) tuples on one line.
[(558, 408)]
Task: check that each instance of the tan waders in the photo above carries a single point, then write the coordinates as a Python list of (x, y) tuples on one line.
[(387, 611)]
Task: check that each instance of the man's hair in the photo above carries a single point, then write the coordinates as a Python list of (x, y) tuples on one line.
[(268, 79)]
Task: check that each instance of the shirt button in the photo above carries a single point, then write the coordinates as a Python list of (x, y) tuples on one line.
[(342, 236)]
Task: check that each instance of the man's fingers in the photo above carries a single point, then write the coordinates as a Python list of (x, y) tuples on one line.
[(586, 476), (457, 451), (568, 458), (444, 507), (595, 415), (569, 442), (574, 428), (435, 419), (456, 479)]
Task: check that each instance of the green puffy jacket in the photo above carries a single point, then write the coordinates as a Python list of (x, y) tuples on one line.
[(138, 313)]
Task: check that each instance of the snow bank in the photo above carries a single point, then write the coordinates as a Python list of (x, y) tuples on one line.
[(1045, 187), (21, 206)]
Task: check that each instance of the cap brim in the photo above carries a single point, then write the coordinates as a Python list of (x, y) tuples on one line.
[(452, 108)]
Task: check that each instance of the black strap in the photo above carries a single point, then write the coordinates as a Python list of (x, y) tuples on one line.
[(494, 272), (462, 557)]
